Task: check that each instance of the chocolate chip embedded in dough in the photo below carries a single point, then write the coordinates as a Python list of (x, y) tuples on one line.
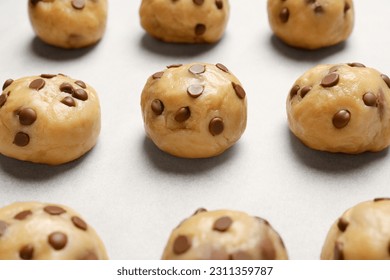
[(240, 255), (78, 4), (68, 101), (239, 90), (330, 80), (284, 15), (267, 249), (261, 220), (21, 139), (81, 84), (388, 247), (370, 99), (305, 91), (26, 252), (80, 94), (181, 244), (338, 251), (294, 91), (334, 69), (48, 76), (66, 87), (7, 83), (197, 69), (37, 84), (386, 79), (318, 9), (341, 118), (27, 116), (381, 199), (3, 99), (183, 114), (356, 64), (216, 126), (219, 4), (3, 227), (222, 67), (347, 7), (57, 240), (22, 215), (54, 210), (79, 223), (199, 210), (342, 224), (158, 75), (198, 2), (310, 1), (200, 29), (157, 107), (195, 90), (222, 224), (174, 65)]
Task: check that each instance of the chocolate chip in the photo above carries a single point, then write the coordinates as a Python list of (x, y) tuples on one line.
[(388, 248), (267, 249), (157, 107), (26, 252), (199, 210), (222, 67), (48, 76), (240, 255), (261, 220), (222, 224), (341, 118), (66, 87), (338, 251), (183, 114), (81, 84), (174, 66), (27, 116), (284, 15), (216, 126), (57, 240), (54, 210), (219, 4), (79, 223), (370, 99), (68, 101), (294, 91), (346, 7), (80, 94), (157, 75), (78, 4), (195, 90), (381, 199), (310, 1), (181, 244), (386, 79), (198, 2), (330, 80), (3, 99), (219, 255), (197, 69), (200, 29), (356, 64), (21, 139), (318, 9), (37, 84), (34, 2), (7, 83), (22, 215), (239, 90), (3, 227), (342, 224), (305, 91)]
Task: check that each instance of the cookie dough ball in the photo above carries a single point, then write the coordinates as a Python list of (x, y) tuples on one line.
[(185, 21), (50, 119), (311, 24), (194, 111), (68, 23), (341, 108), (361, 233), (38, 231), (224, 235)]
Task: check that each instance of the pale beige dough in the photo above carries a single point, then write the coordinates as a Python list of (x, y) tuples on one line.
[(197, 126), (361, 233), (41, 231), (224, 235), (44, 121), (185, 21), (341, 108), (68, 23), (311, 24)]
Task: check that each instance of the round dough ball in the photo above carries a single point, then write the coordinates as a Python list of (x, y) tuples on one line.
[(341, 108), (361, 233), (50, 119), (68, 23), (311, 24), (39, 231), (196, 110), (224, 235), (185, 21)]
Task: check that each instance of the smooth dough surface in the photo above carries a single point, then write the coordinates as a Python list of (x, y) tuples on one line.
[(185, 21), (195, 110), (41, 231), (224, 235), (361, 233), (311, 24), (50, 119), (68, 23), (341, 108)]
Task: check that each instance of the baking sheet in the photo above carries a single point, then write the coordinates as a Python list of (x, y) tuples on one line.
[(134, 195)]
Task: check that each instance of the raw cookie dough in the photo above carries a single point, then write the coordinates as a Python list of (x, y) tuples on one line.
[(50, 119), (341, 108), (224, 235), (68, 23), (361, 233), (185, 21), (195, 110), (311, 24), (39, 231)]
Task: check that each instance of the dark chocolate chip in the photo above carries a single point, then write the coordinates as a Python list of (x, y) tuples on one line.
[(21, 139), (26, 252), (239, 90), (80, 94), (3, 99), (341, 118), (183, 114), (174, 66), (222, 67), (305, 91), (338, 251), (27, 116), (68, 101), (240, 255), (22, 215), (219, 255), (54, 210), (198, 2), (197, 69), (346, 7), (57, 240), (66, 87), (388, 248), (48, 76), (381, 199), (158, 75), (3, 227), (79, 223), (294, 91), (386, 79), (199, 210), (37, 84), (216, 126), (222, 224), (330, 80), (181, 244), (284, 15), (370, 99), (157, 107), (356, 64), (200, 29), (267, 249), (78, 4), (219, 4), (81, 84), (195, 90), (34, 2), (342, 224), (318, 9), (7, 83)]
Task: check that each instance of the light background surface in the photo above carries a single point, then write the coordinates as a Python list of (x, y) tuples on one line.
[(134, 195)]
